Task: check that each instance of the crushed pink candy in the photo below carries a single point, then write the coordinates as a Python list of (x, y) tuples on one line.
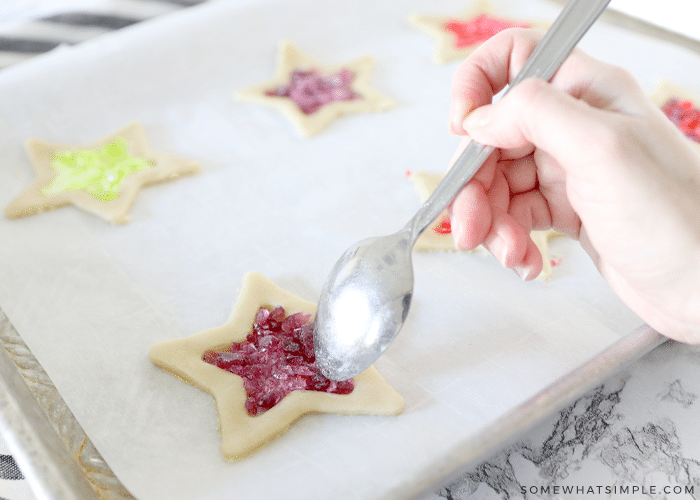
[(685, 116), (276, 358), (310, 91), (478, 29), (444, 226)]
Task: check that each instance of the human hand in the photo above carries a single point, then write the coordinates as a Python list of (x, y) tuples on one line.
[(590, 155)]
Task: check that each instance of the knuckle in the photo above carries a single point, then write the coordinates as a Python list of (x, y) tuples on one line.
[(612, 139), (528, 93), (621, 76), (525, 100)]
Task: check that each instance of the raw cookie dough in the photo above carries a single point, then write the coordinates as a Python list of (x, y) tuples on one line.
[(163, 167), (477, 24), (665, 92), (438, 238), (291, 59), (240, 433)]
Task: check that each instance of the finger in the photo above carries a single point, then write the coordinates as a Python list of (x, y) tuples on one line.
[(485, 174), (470, 211), (531, 211), (499, 192), (459, 108), (531, 265), (486, 71), (497, 61), (507, 240), (551, 183), (470, 216), (521, 174)]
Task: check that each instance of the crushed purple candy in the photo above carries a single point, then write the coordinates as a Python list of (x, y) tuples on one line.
[(276, 358), (310, 91)]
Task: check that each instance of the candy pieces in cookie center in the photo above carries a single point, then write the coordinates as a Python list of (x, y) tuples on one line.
[(681, 107), (458, 36), (479, 29), (685, 116), (444, 226), (276, 358), (310, 90), (99, 172)]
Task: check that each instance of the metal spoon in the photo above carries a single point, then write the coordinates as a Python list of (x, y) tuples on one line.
[(366, 297)]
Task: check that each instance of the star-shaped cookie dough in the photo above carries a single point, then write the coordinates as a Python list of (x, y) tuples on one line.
[(40, 196), (359, 95), (242, 434), (438, 237), (682, 107), (542, 239), (458, 36)]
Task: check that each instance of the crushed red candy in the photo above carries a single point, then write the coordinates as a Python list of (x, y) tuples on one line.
[(310, 91), (276, 358), (685, 116), (444, 226), (478, 29)]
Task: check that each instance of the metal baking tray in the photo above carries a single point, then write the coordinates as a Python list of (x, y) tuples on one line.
[(53, 450)]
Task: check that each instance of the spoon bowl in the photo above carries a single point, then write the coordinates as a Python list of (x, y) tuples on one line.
[(355, 304)]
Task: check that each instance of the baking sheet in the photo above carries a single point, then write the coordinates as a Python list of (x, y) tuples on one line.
[(90, 298), (679, 16)]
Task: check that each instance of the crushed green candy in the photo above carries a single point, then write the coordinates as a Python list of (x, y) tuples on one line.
[(100, 172)]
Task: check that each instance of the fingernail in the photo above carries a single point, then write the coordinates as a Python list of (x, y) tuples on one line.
[(498, 248), (476, 119), (458, 110), (524, 272)]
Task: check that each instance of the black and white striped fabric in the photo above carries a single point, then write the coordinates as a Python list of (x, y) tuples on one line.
[(9, 469), (32, 27), (12, 483)]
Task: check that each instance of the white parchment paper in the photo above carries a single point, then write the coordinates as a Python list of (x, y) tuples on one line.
[(90, 298)]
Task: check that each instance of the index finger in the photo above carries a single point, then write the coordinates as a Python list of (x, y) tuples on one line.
[(497, 61), (488, 70)]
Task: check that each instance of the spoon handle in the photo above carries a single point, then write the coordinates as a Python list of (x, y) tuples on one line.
[(566, 31)]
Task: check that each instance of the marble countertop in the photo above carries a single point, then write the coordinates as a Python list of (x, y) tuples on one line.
[(634, 436)]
